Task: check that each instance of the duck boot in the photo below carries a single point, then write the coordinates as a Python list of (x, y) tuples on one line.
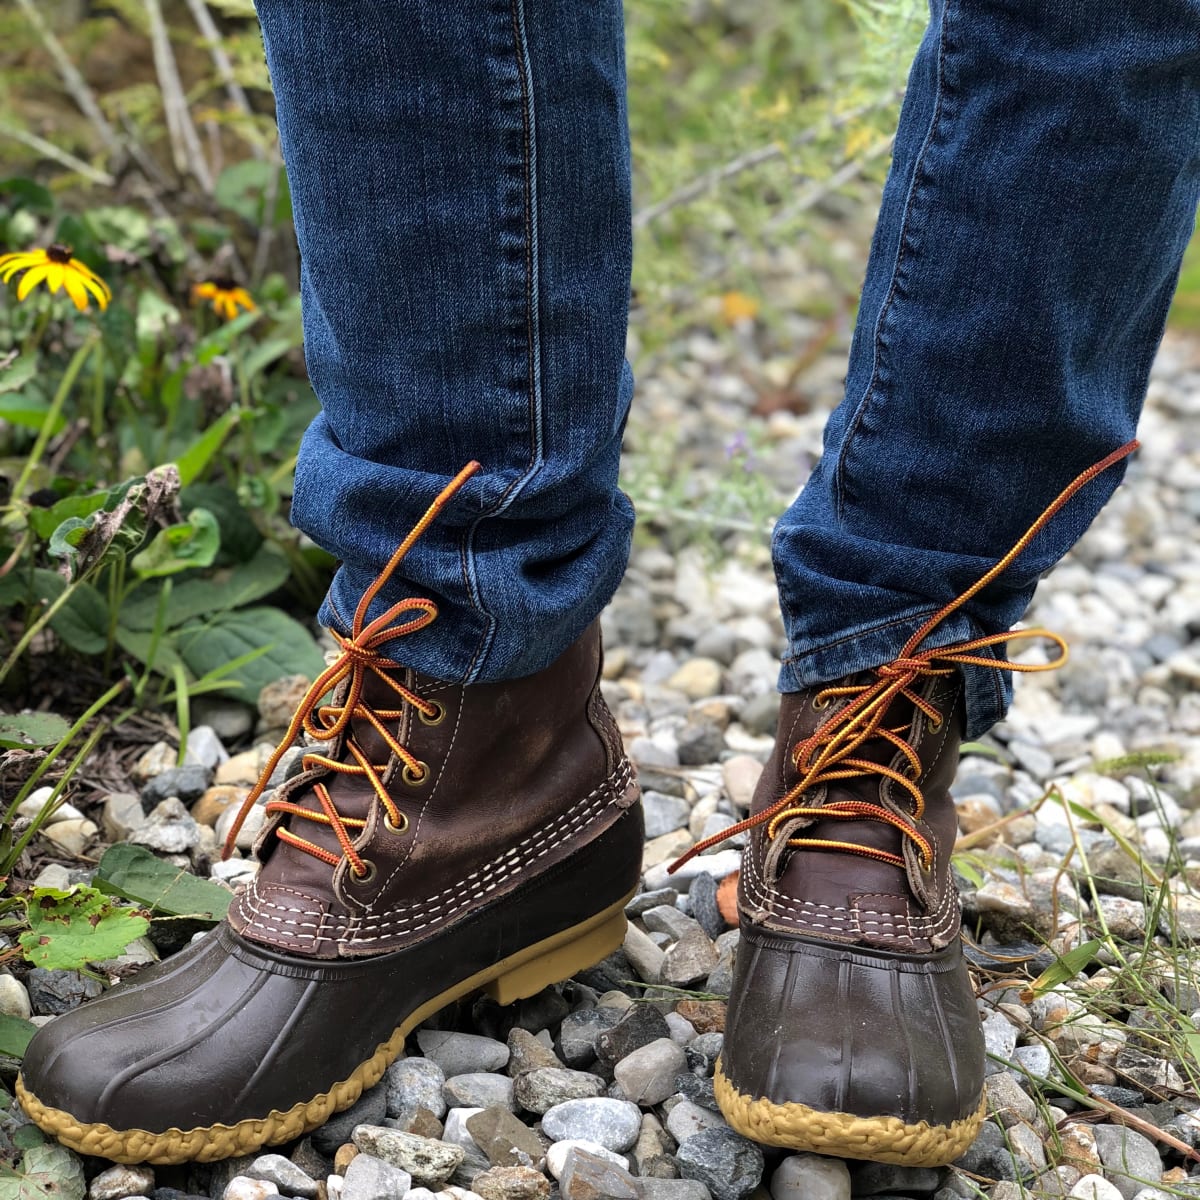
[(852, 1026), (440, 839)]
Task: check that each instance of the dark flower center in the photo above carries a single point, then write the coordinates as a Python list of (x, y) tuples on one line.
[(59, 253), (224, 283)]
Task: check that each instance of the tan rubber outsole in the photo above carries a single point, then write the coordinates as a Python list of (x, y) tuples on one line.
[(844, 1135), (522, 974)]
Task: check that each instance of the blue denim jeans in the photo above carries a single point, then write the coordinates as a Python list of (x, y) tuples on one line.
[(460, 179)]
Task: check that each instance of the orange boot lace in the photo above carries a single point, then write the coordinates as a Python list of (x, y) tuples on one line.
[(328, 722), (831, 753)]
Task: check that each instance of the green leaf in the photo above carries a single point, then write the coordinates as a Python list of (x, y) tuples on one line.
[(44, 521), (18, 374), (1066, 967), (180, 547), (47, 1172), (243, 189), (134, 873), (120, 526), (83, 621), (29, 412), (68, 930), (121, 226), (230, 587), (137, 643), (291, 649), (198, 455), (32, 729), (240, 537), (27, 194), (15, 1035)]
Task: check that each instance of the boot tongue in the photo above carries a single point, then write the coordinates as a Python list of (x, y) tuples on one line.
[(824, 874), (352, 795)]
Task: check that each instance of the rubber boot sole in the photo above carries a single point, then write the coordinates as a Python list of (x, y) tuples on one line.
[(885, 1139), (522, 974)]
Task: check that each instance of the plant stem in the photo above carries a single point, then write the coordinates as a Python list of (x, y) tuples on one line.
[(35, 629), (88, 746), (46, 763), (160, 624), (52, 415)]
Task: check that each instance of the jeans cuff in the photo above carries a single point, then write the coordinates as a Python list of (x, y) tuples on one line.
[(988, 690)]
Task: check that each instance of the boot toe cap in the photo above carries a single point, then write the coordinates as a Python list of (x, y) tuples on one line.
[(851, 1031)]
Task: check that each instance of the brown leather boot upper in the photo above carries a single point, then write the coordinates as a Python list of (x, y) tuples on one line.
[(511, 777)]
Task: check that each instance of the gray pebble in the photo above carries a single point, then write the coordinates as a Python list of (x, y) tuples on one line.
[(479, 1089), (1131, 1160), (612, 1123), (541, 1089), (285, 1175), (369, 1109), (462, 1053), (647, 1075), (370, 1178), (115, 1183), (727, 1164), (185, 783), (810, 1177), (586, 1176), (429, 1162)]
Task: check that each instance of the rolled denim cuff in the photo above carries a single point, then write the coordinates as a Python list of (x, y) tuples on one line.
[(988, 690)]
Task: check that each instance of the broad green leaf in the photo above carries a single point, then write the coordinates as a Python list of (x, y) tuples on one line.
[(134, 873), (47, 1172), (121, 226), (240, 537), (83, 621), (181, 547), (18, 374), (137, 643), (29, 412), (291, 649), (1066, 967), (244, 186), (32, 729), (198, 455), (68, 930), (44, 521), (229, 587), (15, 1035), (120, 526)]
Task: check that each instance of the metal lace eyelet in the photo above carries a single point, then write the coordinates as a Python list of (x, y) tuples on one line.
[(819, 704), (437, 717), (368, 874), (935, 724), (417, 777), (391, 827)]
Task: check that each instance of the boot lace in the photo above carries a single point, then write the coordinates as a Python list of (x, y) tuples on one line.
[(360, 654), (831, 754)]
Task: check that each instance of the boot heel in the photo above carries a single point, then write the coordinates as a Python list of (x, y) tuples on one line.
[(577, 949)]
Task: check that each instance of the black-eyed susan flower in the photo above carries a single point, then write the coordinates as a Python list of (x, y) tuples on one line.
[(225, 295), (57, 269)]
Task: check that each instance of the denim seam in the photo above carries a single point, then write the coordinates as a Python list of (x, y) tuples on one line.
[(902, 246), (533, 334)]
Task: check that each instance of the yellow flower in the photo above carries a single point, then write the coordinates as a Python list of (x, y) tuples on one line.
[(737, 306), (226, 297), (55, 267)]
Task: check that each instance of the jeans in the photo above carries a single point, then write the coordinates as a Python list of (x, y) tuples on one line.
[(460, 183)]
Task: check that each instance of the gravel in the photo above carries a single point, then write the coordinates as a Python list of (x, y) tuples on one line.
[(692, 642)]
